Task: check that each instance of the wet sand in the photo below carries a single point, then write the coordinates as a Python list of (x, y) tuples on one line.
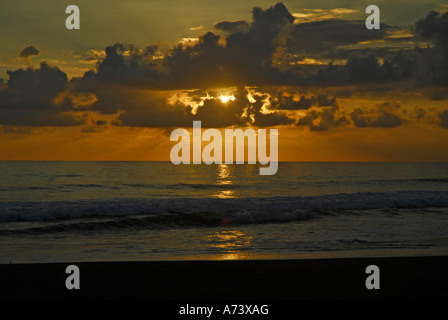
[(310, 279)]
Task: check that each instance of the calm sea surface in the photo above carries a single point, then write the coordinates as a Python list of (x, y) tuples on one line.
[(116, 211)]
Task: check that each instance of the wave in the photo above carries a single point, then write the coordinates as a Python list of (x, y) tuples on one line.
[(249, 210), (443, 180)]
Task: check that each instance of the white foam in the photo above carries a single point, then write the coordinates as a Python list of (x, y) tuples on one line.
[(242, 209)]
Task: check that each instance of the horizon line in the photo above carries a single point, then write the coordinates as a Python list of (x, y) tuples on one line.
[(280, 161)]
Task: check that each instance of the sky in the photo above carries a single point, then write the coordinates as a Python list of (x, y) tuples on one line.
[(136, 70)]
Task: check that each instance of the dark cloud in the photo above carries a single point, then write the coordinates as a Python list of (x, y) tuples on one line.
[(15, 129), (427, 65), (433, 62), (182, 110), (265, 52), (29, 52), (323, 38), (420, 112), (232, 26), (434, 26), (437, 93), (361, 69), (126, 63), (347, 52), (241, 58), (28, 99), (322, 119), (137, 87), (44, 80), (147, 109), (319, 112), (366, 69), (93, 126), (383, 116), (443, 119), (296, 101)]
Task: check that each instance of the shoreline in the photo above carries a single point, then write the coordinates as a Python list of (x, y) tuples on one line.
[(410, 277)]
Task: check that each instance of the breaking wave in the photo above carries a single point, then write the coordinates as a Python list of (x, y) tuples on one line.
[(184, 212)]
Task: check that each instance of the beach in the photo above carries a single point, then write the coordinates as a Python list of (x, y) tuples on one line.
[(223, 233), (258, 280)]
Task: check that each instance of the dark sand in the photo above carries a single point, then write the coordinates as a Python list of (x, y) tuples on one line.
[(400, 278)]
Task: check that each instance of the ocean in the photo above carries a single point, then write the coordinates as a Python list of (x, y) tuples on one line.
[(59, 211)]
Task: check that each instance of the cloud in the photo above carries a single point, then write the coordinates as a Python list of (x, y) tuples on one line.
[(232, 26), (271, 50), (201, 27), (420, 112), (434, 26), (367, 68), (28, 99), (322, 119), (263, 62), (181, 108), (383, 116), (132, 83), (45, 79), (433, 62), (93, 125), (322, 38), (240, 58), (93, 56), (443, 119), (312, 15), (29, 52), (293, 100)]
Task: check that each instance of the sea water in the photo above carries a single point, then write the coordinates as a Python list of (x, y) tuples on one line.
[(59, 211)]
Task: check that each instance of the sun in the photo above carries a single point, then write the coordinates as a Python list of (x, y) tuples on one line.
[(226, 99)]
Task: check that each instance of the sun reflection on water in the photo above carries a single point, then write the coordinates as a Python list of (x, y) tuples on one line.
[(230, 244), (223, 178)]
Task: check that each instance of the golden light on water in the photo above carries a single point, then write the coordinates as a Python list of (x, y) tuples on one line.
[(224, 194), (233, 256), (223, 178), (224, 174), (230, 243)]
